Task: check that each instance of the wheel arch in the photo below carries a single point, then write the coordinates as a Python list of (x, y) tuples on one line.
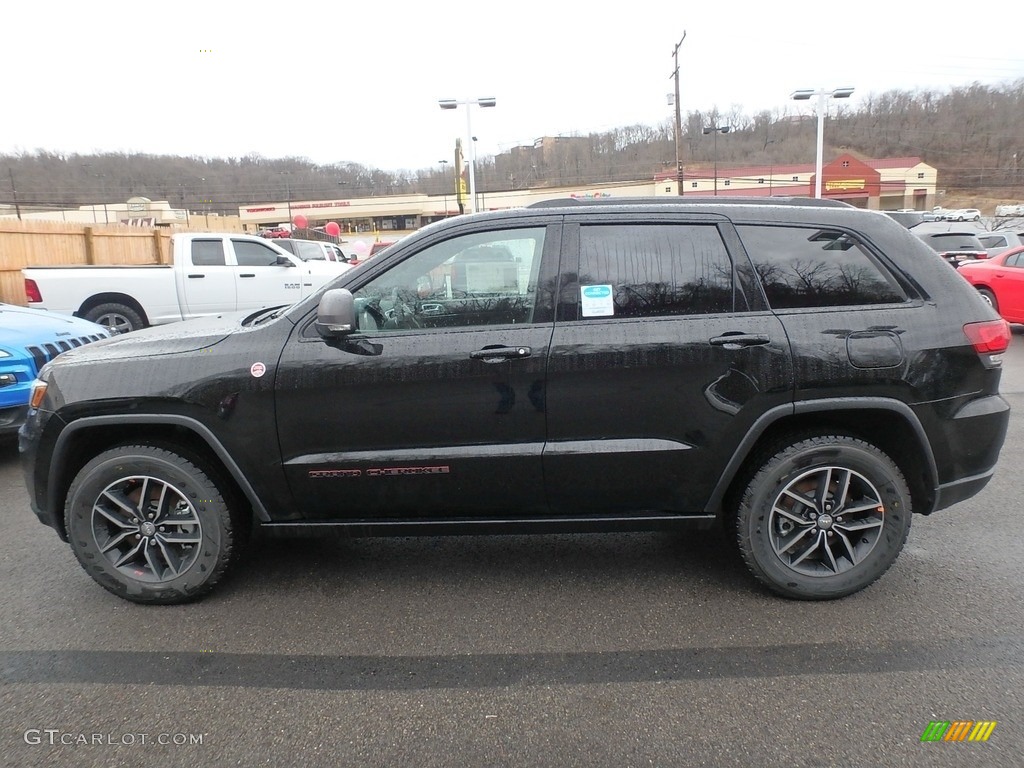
[(112, 297), (85, 438), (888, 424)]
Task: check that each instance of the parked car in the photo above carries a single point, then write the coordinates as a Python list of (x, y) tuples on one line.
[(961, 214), (1001, 240), (1000, 281), (275, 232), (955, 247), (209, 273), (29, 338), (314, 250), (801, 372)]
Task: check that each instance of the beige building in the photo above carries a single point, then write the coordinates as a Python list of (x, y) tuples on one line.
[(887, 184)]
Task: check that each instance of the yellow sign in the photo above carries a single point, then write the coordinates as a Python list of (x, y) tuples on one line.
[(842, 184)]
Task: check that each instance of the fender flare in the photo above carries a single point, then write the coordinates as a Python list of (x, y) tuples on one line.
[(767, 419), (61, 447)]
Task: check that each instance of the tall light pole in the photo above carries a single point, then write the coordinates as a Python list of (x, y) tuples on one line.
[(717, 129), (823, 96), (679, 121), (467, 103), (444, 184)]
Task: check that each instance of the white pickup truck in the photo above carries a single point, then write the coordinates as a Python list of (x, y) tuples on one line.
[(208, 274)]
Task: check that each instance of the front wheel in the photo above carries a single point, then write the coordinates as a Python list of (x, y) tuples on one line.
[(150, 525), (823, 518)]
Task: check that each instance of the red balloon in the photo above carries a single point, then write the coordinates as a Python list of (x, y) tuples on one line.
[(332, 228), (300, 221)]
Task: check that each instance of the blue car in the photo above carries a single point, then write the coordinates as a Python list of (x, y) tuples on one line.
[(29, 338)]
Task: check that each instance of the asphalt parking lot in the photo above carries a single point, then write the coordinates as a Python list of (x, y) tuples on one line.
[(586, 650)]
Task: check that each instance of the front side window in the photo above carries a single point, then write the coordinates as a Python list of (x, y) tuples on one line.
[(645, 270), (486, 278), (811, 267), (208, 253), (250, 254)]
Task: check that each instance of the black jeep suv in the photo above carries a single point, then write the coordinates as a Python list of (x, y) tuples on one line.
[(806, 374)]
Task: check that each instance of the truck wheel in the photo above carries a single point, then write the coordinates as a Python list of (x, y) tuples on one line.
[(117, 317), (823, 518), (150, 525)]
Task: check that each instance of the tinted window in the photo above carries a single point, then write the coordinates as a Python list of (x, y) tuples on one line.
[(993, 241), (643, 270), (487, 278), (309, 251), (806, 267), (250, 254), (954, 241), (208, 253)]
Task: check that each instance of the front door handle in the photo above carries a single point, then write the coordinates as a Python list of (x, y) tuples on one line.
[(496, 354), (740, 340), (247, 274)]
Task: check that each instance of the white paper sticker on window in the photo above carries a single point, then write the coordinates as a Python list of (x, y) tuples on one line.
[(596, 300)]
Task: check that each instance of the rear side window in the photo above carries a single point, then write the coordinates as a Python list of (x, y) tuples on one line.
[(650, 270), (208, 253), (811, 267)]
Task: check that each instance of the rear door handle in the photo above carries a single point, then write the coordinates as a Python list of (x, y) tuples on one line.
[(740, 340), (192, 277), (497, 354), (248, 274)]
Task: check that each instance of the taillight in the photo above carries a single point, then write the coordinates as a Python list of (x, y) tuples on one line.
[(32, 291), (990, 337)]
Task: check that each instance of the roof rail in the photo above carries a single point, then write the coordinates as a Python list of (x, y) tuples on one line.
[(570, 202)]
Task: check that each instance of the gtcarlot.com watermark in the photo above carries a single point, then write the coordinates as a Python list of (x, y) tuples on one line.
[(56, 737)]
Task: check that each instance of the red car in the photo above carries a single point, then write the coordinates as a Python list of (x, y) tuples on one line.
[(1000, 281), (276, 232)]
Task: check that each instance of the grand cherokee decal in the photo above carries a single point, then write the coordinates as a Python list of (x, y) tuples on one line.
[(316, 474)]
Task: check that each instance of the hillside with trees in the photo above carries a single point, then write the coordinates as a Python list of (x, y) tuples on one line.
[(972, 135)]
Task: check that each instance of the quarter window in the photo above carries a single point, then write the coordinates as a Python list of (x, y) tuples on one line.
[(644, 270), (806, 267), (487, 278)]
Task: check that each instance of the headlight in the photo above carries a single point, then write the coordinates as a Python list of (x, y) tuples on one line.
[(4, 353)]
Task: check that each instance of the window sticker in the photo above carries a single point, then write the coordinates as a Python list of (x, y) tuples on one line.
[(596, 301)]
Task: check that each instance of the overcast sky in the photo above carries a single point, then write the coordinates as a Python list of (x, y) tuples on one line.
[(349, 81)]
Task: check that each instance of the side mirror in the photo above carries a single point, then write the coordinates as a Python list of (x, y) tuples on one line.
[(336, 313), (284, 261)]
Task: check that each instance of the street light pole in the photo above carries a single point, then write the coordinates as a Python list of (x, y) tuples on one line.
[(823, 96), (444, 184), (717, 129), (467, 103)]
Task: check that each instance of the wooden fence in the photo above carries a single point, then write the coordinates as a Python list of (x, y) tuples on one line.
[(44, 243)]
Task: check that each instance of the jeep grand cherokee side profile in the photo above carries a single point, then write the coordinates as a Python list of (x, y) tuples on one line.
[(804, 373)]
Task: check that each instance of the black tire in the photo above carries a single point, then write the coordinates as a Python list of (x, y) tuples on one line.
[(800, 541), (117, 317), (990, 297), (137, 557)]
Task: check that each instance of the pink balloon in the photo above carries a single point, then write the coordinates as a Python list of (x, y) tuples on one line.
[(300, 221), (360, 247), (332, 228)]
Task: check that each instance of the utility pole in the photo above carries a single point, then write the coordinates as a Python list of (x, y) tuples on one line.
[(14, 192), (679, 119)]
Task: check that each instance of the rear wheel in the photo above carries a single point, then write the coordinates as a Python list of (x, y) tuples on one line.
[(823, 518), (116, 317), (150, 525), (990, 297)]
